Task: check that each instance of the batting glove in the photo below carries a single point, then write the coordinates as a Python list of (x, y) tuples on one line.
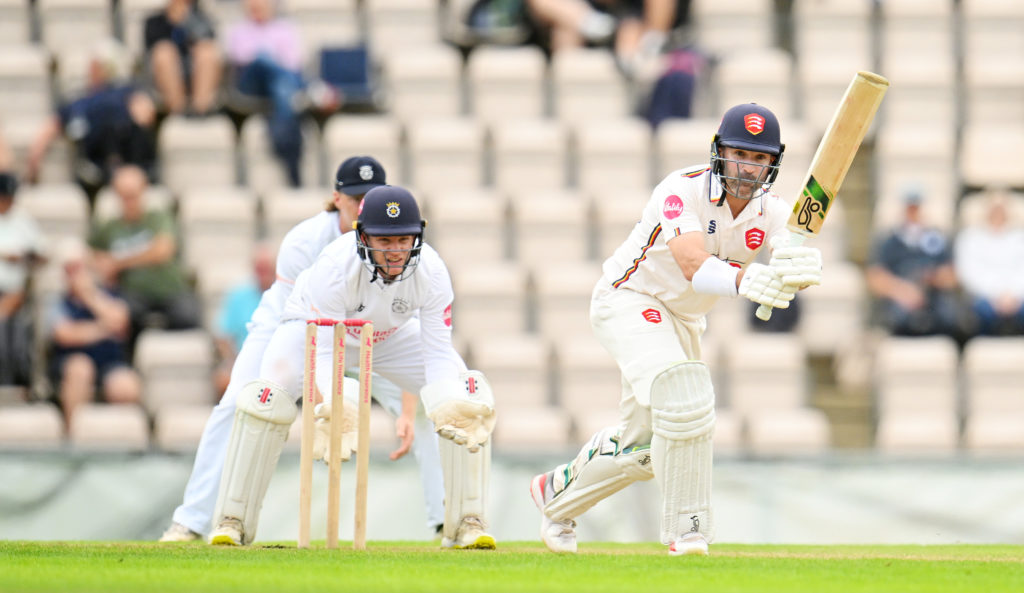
[(796, 265), (763, 286)]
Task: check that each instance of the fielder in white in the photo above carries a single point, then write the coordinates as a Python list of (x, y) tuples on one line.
[(385, 274), (696, 241), (192, 519)]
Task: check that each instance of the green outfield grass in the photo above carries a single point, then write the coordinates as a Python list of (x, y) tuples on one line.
[(420, 566)]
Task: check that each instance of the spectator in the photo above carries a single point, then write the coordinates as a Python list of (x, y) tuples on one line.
[(985, 257), (266, 53), (236, 309), (21, 245), (183, 55), (136, 253), (912, 277), (112, 124), (89, 328)]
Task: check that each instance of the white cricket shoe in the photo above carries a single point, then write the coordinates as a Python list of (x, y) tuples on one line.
[(179, 533), (227, 533), (691, 543), (470, 536), (558, 536)]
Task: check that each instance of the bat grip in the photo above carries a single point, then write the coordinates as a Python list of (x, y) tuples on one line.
[(764, 312)]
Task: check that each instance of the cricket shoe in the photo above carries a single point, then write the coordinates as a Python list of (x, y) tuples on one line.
[(470, 536), (227, 533), (691, 543), (558, 536), (179, 533)]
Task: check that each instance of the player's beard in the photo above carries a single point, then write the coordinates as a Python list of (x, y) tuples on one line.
[(745, 187)]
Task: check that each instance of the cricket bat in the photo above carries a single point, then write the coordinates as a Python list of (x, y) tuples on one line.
[(833, 159)]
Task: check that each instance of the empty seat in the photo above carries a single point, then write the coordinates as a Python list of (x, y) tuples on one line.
[(994, 400), (446, 153), (588, 377), (74, 23), (760, 75), (613, 153), (616, 212), (179, 428), (682, 143), (716, 23), (923, 89), (197, 152), (835, 313), (19, 134), (395, 24), (424, 81), (994, 90), (262, 169), (525, 429), (31, 426), (552, 228), (379, 136), (467, 226), (284, 208), (586, 84), (15, 22), (991, 28), (109, 427), (827, 28), (517, 366), (60, 210), (176, 367), (214, 280), (916, 26), (25, 83), (490, 299), (821, 81), (562, 293), (915, 382), (221, 221), (506, 82), (326, 23), (133, 15), (921, 156), (529, 154), (986, 155)]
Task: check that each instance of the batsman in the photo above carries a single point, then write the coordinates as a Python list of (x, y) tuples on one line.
[(695, 243), (383, 273)]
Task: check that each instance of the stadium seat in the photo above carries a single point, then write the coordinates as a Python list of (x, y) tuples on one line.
[(821, 80), (828, 28), (467, 226), (284, 208), (985, 157), (446, 153), (757, 75), (176, 368), (551, 227), (15, 22), (326, 23), (197, 152), (529, 154), (835, 313), (25, 84), (616, 212), (108, 204), (262, 169), (923, 89), (19, 133), (376, 135), (991, 28), (399, 24), (219, 221), (423, 82), (178, 428), (915, 383), (31, 426), (540, 429), (109, 427), (994, 403), (586, 85), (214, 280), (683, 142), (916, 27), (612, 153), (562, 296), (133, 15), (67, 24), (491, 299), (60, 210), (973, 208), (517, 365), (587, 377), (994, 90), (716, 23), (506, 82), (915, 156)]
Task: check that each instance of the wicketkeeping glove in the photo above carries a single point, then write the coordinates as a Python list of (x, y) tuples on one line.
[(462, 409)]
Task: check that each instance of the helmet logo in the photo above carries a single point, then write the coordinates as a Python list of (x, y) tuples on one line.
[(365, 172), (392, 209), (673, 207), (754, 123), (754, 238)]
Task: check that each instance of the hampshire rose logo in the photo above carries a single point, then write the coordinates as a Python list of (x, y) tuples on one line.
[(754, 238), (673, 207), (754, 123)]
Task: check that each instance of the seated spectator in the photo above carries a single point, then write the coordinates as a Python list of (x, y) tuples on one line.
[(912, 277), (266, 53), (89, 328), (136, 254), (987, 258), (183, 57), (112, 124), (236, 309), (21, 245)]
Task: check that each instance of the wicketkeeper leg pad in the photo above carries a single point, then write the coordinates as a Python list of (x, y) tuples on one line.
[(683, 422), (263, 416), (599, 470), (466, 475)]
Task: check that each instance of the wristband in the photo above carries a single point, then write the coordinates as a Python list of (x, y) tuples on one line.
[(714, 276)]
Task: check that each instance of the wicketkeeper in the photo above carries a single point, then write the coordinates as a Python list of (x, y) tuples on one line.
[(386, 274), (696, 241)]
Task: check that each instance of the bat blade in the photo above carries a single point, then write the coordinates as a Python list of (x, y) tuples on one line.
[(833, 158)]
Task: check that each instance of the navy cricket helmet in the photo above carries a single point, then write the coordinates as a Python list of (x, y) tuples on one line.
[(752, 127), (389, 211)]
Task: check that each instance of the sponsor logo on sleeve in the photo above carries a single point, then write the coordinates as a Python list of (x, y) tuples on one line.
[(673, 207)]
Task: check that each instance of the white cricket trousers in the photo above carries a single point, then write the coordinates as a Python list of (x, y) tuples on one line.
[(196, 510)]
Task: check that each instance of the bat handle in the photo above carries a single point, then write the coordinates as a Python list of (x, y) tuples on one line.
[(764, 312)]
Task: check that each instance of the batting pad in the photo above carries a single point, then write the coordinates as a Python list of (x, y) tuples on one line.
[(683, 422), (599, 470), (466, 476), (263, 415)]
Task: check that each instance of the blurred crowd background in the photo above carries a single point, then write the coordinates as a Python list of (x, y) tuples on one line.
[(154, 152)]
